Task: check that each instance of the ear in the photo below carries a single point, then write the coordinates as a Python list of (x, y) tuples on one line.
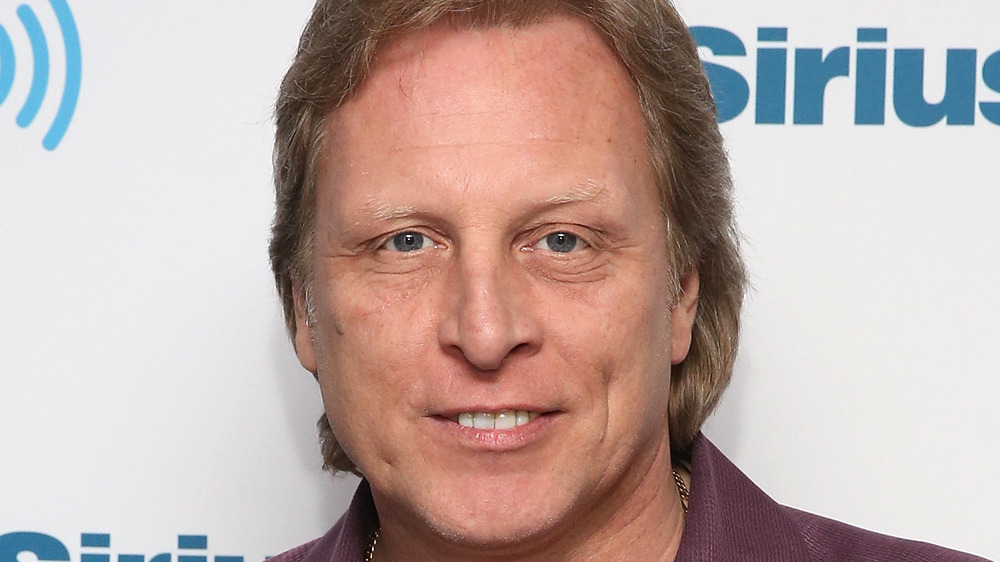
[(303, 340), (682, 318)]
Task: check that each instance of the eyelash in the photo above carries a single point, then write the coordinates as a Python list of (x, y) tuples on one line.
[(386, 242), (579, 243), (585, 236)]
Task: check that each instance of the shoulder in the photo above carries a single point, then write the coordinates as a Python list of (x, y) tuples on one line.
[(730, 518), (337, 545), (296, 554), (831, 540), (346, 540)]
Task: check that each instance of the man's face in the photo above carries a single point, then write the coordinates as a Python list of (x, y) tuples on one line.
[(489, 244)]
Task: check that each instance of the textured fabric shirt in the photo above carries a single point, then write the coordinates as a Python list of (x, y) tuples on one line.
[(729, 519)]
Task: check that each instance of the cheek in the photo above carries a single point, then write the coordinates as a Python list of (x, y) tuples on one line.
[(615, 338), (636, 341), (372, 348), (643, 356), (373, 320), (367, 350)]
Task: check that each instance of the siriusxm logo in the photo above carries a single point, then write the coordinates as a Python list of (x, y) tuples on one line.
[(95, 548), (814, 69), (40, 69)]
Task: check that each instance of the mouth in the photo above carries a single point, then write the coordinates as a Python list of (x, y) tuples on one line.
[(503, 419), (494, 430)]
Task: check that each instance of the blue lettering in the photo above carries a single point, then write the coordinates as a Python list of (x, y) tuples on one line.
[(44, 547), (869, 108), (49, 549), (772, 76), (958, 106), (162, 557), (192, 542), (95, 540), (813, 72), (991, 76), (729, 88)]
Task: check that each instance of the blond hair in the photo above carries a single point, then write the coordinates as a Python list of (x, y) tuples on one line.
[(334, 56)]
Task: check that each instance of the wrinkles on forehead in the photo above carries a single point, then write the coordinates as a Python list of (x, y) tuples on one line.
[(408, 53), (409, 74), (452, 110)]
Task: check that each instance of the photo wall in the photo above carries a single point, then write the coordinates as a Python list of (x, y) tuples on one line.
[(152, 408)]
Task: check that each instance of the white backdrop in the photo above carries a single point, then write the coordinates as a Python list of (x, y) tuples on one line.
[(147, 389)]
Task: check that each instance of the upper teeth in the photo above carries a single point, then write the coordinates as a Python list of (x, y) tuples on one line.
[(506, 419)]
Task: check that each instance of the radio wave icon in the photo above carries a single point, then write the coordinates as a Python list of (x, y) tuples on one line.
[(40, 75)]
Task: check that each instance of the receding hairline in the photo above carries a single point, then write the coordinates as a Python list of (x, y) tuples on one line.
[(583, 31)]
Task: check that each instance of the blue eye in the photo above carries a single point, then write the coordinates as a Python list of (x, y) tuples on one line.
[(562, 242), (408, 242)]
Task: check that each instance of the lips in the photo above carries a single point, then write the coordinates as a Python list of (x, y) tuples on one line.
[(492, 429), (503, 419), (492, 426)]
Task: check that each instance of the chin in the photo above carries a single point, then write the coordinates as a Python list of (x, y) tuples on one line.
[(494, 511), (494, 529)]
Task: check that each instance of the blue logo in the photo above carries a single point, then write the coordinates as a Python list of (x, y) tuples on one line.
[(96, 548), (813, 69), (40, 72)]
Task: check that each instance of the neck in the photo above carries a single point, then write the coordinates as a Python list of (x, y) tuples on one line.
[(646, 524)]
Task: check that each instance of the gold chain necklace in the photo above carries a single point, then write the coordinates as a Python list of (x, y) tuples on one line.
[(372, 539), (682, 491)]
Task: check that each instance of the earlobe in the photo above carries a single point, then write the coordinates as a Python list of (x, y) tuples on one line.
[(682, 318), (303, 340)]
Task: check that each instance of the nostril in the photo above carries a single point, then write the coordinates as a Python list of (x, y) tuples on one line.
[(487, 317), (522, 348)]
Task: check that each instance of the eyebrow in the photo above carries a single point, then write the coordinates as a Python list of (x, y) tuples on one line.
[(380, 211), (585, 191)]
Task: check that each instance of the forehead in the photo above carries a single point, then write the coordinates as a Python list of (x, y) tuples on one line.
[(518, 90), (548, 58)]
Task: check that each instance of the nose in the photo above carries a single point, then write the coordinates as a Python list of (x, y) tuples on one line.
[(488, 316)]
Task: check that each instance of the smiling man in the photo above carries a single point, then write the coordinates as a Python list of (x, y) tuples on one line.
[(505, 247)]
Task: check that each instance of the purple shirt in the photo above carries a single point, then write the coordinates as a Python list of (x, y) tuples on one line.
[(728, 519)]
